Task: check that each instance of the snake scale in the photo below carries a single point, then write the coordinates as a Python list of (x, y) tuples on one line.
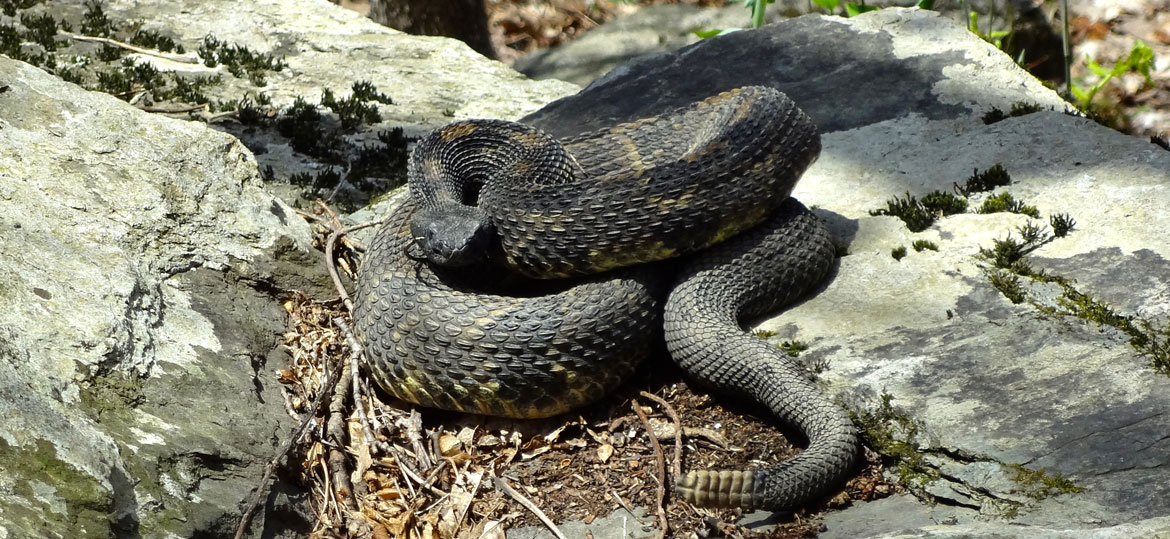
[(510, 280)]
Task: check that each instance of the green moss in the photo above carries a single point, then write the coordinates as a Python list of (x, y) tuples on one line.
[(938, 202), (1018, 108), (1007, 257), (1004, 202), (1008, 284), (1147, 339), (792, 348), (884, 431), (94, 21), (43, 30), (981, 182), (898, 252), (1061, 224), (153, 40), (9, 7), (764, 333), (240, 61), (909, 210), (88, 504), (1040, 484), (918, 215), (111, 394), (924, 245)]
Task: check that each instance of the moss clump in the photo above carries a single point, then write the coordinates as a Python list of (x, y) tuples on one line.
[(94, 21), (111, 393), (1008, 284), (878, 430), (88, 504), (240, 61), (1039, 484), (764, 333), (898, 252), (1004, 202), (1019, 108), (792, 348), (150, 39), (982, 182), (918, 215), (924, 245), (1062, 224)]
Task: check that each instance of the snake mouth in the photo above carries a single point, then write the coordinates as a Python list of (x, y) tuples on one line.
[(451, 237)]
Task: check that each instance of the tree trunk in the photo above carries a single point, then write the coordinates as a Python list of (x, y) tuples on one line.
[(465, 20)]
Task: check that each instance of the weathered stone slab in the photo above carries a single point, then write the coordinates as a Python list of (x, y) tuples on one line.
[(140, 259), (994, 390)]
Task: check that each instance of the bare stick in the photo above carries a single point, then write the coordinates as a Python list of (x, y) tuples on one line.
[(181, 58), (507, 489), (660, 464)]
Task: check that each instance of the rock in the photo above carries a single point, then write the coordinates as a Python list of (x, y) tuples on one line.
[(147, 264), (143, 265), (1032, 412), (648, 30), (662, 28)]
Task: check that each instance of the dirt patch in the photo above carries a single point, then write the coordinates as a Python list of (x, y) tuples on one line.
[(388, 469)]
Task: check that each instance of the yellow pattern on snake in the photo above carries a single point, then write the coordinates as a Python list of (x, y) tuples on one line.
[(513, 279)]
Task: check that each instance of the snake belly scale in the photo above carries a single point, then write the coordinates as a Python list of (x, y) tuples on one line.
[(512, 280)]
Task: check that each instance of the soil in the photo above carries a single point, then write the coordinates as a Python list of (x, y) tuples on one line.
[(407, 472)]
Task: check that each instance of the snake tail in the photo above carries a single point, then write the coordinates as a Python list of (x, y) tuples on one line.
[(752, 274)]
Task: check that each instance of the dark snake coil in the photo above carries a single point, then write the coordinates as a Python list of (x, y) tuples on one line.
[(504, 212)]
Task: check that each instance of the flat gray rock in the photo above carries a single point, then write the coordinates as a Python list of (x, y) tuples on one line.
[(666, 27), (1002, 401)]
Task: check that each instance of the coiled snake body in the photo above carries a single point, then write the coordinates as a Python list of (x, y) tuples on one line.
[(491, 200)]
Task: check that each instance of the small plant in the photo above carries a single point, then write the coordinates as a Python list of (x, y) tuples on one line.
[(1032, 234), (792, 348), (944, 204), (1061, 224), (1004, 202), (898, 252), (1008, 254), (924, 245), (918, 216), (981, 182), (995, 37), (1008, 284), (239, 60), (764, 333), (94, 21), (1140, 59)]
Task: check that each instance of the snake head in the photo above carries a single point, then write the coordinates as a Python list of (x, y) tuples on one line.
[(452, 236)]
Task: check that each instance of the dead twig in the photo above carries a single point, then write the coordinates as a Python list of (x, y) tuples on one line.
[(181, 58), (261, 489), (337, 432), (507, 489), (660, 466), (329, 259), (676, 463)]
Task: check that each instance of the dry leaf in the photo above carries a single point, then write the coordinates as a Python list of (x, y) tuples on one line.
[(449, 445), (604, 452)]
